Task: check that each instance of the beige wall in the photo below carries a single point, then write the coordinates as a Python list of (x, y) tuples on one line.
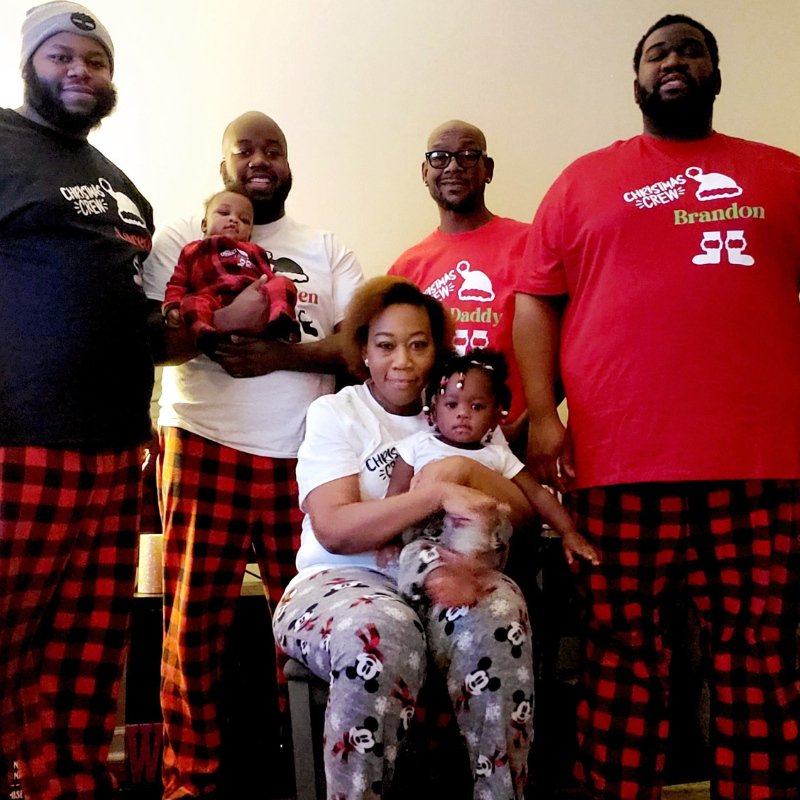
[(358, 84)]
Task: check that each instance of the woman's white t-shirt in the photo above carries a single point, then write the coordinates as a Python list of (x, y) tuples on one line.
[(348, 433)]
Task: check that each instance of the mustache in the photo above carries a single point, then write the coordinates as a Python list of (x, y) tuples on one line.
[(682, 71)]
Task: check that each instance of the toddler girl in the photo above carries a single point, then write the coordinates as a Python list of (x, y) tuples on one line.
[(465, 402)]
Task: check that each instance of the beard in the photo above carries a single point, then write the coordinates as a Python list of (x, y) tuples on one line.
[(45, 98), (466, 205), (686, 113)]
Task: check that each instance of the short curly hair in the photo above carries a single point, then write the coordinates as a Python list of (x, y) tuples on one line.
[(676, 19), (380, 293)]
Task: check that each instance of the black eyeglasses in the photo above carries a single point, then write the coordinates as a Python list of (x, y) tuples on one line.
[(439, 159)]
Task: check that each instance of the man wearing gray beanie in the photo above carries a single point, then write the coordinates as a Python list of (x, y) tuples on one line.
[(75, 383)]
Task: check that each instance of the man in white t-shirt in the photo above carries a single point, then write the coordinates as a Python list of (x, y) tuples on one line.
[(230, 426)]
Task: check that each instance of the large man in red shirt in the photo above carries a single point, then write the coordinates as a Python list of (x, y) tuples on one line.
[(662, 275), (469, 262)]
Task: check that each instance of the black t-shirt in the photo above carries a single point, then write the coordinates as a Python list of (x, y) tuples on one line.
[(75, 368)]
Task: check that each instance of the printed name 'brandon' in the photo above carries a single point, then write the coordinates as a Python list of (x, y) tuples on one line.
[(733, 211)]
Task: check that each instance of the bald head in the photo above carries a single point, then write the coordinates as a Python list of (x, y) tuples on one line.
[(255, 163), (458, 186), (459, 128), (251, 121)]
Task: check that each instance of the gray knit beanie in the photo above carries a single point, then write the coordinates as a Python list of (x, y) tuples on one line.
[(48, 19)]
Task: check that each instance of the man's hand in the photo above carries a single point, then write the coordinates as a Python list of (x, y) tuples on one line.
[(546, 447), (246, 357)]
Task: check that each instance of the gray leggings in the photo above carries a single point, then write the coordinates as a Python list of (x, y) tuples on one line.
[(352, 626)]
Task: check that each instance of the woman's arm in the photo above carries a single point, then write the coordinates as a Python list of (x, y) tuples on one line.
[(466, 472), (345, 524)]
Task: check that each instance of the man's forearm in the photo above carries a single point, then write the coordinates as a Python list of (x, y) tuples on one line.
[(537, 325), (325, 355), (248, 358)]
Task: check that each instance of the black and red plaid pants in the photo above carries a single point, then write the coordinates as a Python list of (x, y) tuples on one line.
[(733, 547), (217, 504), (68, 531)]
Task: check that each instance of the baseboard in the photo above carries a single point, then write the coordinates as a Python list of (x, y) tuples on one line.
[(687, 791)]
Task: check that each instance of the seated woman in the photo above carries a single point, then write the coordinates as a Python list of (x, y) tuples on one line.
[(344, 616)]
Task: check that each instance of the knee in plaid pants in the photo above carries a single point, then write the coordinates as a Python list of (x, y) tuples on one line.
[(216, 502), (734, 547), (68, 526)]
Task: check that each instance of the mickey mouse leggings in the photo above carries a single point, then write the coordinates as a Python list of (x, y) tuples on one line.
[(352, 625)]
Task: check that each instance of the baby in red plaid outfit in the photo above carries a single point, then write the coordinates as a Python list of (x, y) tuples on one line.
[(212, 272)]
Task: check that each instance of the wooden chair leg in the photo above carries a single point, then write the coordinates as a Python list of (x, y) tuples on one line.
[(305, 756)]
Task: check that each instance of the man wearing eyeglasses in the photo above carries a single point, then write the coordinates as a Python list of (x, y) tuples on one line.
[(469, 261)]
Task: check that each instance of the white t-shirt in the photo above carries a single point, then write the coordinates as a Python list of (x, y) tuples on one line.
[(264, 415), (348, 433), (424, 447)]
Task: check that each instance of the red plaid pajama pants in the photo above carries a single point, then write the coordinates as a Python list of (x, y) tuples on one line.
[(733, 546), (68, 528), (216, 502)]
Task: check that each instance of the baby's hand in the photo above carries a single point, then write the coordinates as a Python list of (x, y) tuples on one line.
[(173, 318), (574, 544), (460, 581), (447, 588), (388, 554)]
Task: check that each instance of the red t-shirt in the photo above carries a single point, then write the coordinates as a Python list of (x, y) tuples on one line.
[(474, 275), (680, 345)]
